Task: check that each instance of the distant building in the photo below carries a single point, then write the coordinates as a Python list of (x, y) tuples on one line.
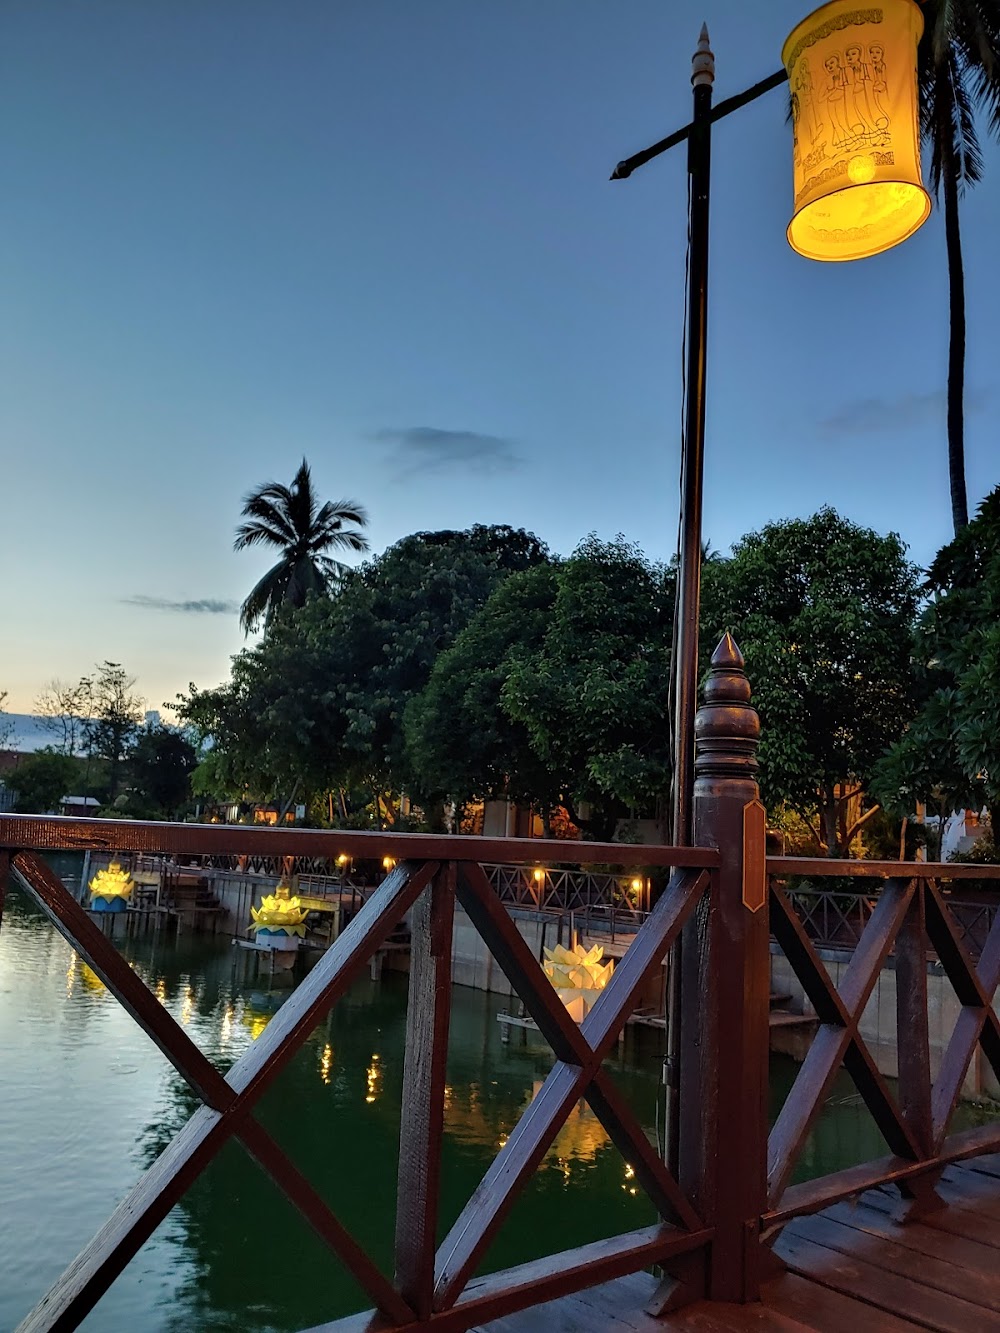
[(153, 718), (79, 806)]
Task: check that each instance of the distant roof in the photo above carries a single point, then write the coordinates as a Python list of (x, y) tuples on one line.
[(80, 800)]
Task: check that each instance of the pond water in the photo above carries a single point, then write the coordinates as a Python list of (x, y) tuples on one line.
[(88, 1102)]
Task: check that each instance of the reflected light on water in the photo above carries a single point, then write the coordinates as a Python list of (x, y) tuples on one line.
[(161, 991), (374, 1080), (326, 1063), (468, 1119), (629, 1175), (226, 1030), (187, 1008)]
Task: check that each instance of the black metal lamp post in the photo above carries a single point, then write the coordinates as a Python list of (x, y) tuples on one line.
[(699, 138)]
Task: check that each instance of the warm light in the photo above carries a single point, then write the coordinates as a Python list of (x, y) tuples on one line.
[(342, 859), (388, 862), (326, 1063), (374, 1078), (539, 875), (578, 975), (111, 883), (637, 886), (853, 78), (278, 911)]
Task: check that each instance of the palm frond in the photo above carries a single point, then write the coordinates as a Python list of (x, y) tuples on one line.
[(266, 594), (257, 532), (270, 509)]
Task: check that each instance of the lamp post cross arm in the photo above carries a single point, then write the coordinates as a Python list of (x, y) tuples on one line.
[(625, 168)]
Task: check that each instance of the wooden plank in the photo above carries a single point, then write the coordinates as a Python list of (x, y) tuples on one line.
[(912, 1036), (829, 1311), (920, 1237), (975, 988), (979, 1287), (874, 1286), (58, 833), (818, 869), (802, 1105), (543, 1281), (424, 1071)]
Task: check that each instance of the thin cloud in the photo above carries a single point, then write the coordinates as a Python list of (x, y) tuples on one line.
[(422, 449), (875, 416), (199, 606)]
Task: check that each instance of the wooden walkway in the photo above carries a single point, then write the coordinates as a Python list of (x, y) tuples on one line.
[(851, 1269)]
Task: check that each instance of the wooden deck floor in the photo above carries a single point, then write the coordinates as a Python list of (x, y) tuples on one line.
[(851, 1269)]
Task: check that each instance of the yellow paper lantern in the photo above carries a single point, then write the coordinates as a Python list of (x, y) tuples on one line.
[(852, 71)]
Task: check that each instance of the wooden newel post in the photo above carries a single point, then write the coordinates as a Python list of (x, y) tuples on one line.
[(726, 975)]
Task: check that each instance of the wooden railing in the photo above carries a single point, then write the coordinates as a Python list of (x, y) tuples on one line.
[(432, 1285), (917, 914), (729, 1189), (837, 919)]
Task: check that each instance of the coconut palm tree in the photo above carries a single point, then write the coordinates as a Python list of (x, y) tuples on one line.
[(959, 64), (291, 520)]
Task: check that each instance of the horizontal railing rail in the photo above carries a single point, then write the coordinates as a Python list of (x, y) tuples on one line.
[(61, 833)]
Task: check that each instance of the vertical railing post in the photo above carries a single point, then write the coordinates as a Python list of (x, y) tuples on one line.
[(424, 1070), (726, 988)]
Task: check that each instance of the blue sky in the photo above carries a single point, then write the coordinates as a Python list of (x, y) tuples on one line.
[(380, 234)]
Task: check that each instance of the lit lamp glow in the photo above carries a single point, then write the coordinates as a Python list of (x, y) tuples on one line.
[(578, 976), (279, 921), (852, 71), (110, 889)]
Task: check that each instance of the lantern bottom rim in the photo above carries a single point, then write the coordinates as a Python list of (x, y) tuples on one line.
[(863, 231)]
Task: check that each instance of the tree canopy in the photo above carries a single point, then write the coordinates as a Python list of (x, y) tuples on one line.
[(951, 752), (823, 611), (593, 694), (320, 700), (41, 780)]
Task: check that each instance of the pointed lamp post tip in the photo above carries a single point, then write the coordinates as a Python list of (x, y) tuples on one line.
[(703, 63), (727, 654)]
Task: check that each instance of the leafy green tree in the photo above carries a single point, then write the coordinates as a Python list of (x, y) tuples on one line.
[(823, 612), (160, 766), (460, 740), (951, 752), (319, 702), (291, 520), (113, 720), (593, 694), (41, 780), (959, 69)]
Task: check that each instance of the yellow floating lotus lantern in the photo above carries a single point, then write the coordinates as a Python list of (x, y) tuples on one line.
[(279, 922), (110, 889), (852, 71), (578, 975)]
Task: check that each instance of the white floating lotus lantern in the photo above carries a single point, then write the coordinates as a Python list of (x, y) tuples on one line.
[(110, 889), (578, 975), (279, 922), (852, 71)]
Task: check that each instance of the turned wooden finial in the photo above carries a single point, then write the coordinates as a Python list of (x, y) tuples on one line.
[(726, 728)]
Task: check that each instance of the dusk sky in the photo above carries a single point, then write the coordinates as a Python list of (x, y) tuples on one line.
[(381, 234)]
